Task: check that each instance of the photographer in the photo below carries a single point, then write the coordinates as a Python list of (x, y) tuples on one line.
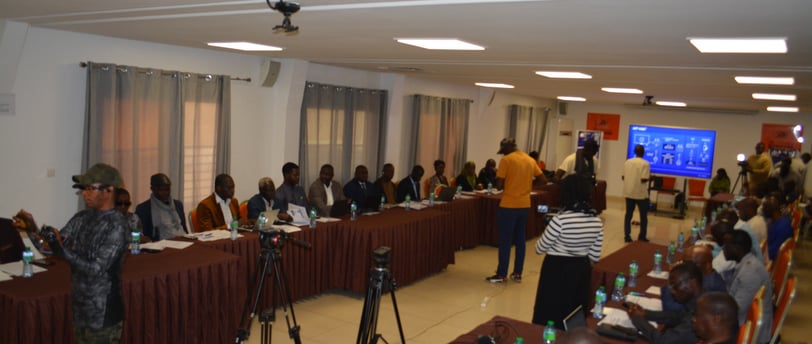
[(572, 240)]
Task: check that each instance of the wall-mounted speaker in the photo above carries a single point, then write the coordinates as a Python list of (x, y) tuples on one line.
[(270, 71), (562, 108)]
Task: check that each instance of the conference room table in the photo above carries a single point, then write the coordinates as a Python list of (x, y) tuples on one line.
[(553, 195), (174, 296), (717, 201)]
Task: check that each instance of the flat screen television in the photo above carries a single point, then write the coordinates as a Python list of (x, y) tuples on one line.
[(686, 152)]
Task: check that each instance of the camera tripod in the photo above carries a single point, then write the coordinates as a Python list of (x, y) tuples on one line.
[(743, 177), (271, 256), (380, 279)]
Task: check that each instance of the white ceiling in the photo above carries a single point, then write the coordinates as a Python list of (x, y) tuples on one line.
[(621, 43)]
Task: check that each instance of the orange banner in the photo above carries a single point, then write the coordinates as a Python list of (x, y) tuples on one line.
[(609, 124)]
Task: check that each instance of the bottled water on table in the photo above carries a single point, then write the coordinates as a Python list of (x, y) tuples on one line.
[(313, 217), (680, 241), (431, 199), (382, 204), (234, 225), (620, 282), (633, 271), (353, 211), (28, 257), (408, 202), (549, 333), (600, 300), (671, 258), (135, 244), (459, 192), (658, 262), (490, 188)]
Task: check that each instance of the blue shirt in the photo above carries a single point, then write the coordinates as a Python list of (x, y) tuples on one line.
[(778, 231)]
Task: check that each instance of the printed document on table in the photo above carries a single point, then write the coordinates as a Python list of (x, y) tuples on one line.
[(615, 316), (413, 205), (299, 214), (4, 277), (653, 290), (661, 275), (648, 303), (162, 244), (286, 228), (16, 268)]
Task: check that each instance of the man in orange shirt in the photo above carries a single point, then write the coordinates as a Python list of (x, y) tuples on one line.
[(515, 177)]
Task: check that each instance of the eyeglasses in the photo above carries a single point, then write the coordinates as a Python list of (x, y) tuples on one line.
[(123, 204)]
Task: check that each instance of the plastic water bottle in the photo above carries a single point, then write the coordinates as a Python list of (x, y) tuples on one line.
[(519, 340), (658, 262), (713, 216), (313, 217), (549, 333), (671, 257), (135, 245), (633, 270), (28, 257), (431, 199), (459, 192), (408, 202), (680, 241), (381, 206), (490, 188), (262, 220), (234, 225), (620, 282), (600, 300), (353, 211)]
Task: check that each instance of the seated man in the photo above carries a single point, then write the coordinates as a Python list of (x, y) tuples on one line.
[(748, 276), (711, 280), (715, 318), (161, 216), (360, 190), (218, 210), (324, 192), (290, 191), (685, 282), (730, 216), (487, 175), (264, 200), (384, 186), (779, 228), (410, 185)]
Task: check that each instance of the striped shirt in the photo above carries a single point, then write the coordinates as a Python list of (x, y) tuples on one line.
[(572, 234)]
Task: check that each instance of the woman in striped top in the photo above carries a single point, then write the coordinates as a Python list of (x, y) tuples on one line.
[(572, 241)]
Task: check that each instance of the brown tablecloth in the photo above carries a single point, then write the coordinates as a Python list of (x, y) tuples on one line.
[(489, 232), (505, 330), (465, 221), (598, 197), (176, 296)]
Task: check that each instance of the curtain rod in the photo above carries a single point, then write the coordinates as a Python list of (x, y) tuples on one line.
[(84, 64)]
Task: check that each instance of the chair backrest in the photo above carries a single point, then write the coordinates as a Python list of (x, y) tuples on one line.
[(744, 333), (780, 272), (797, 214), (696, 188), (193, 225), (244, 210), (788, 244), (754, 314), (781, 308), (764, 250), (669, 182)]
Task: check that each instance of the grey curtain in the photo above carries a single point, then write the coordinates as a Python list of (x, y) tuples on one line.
[(528, 125), (144, 121), (342, 126), (440, 131)]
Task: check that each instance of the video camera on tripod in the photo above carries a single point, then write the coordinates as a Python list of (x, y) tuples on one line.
[(274, 238)]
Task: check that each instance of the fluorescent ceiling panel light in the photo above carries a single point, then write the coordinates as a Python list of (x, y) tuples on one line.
[(772, 96), (622, 90), (740, 45), (670, 103), (564, 75), (572, 99), (244, 46), (439, 43), (493, 85), (782, 109), (765, 80)]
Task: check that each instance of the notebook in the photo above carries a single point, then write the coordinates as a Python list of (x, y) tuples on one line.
[(575, 319)]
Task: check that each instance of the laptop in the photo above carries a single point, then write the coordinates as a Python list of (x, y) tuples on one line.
[(339, 209), (447, 194), (575, 319), (271, 216)]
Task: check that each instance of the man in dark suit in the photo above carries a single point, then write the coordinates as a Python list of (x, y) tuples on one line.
[(411, 185), (360, 190), (161, 216), (217, 210)]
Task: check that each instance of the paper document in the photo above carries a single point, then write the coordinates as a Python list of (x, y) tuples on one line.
[(653, 290), (648, 303), (218, 234), (661, 275), (162, 244), (414, 205), (286, 228), (485, 191), (615, 316), (426, 202), (299, 214), (468, 193), (327, 219), (4, 277), (16, 268)]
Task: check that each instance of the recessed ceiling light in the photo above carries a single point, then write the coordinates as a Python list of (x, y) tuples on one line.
[(772, 96), (670, 103), (622, 90), (564, 75), (244, 46), (782, 109), (740, 45), (439, 43), (765, 80), (572, 99), (493, 85)]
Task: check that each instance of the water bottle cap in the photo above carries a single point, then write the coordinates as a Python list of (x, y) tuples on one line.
[(550, 323)]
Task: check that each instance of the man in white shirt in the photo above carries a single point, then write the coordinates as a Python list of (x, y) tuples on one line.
[(324, 192), (581, 162), (636, 172), (748, 211)]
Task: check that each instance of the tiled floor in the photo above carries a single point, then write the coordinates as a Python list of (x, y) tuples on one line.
[(439, 308)]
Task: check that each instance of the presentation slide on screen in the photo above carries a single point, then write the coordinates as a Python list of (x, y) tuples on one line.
[(683, 152)]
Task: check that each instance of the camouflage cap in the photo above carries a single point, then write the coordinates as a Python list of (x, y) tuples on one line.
[(100, 173)]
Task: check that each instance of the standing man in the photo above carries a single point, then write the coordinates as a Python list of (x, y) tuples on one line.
[(360, 190), (324, 192), (219, 209), (515, 176), (384, 185), (759, 166), (411, 185), (264, 201), (290, 191), (636, 192), (581, 162), (162, 216), (94, 243)]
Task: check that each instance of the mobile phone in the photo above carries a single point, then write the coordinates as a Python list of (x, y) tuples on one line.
[(542, 208)]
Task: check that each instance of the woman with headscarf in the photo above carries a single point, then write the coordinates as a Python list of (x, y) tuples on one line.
[(467, 177)]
